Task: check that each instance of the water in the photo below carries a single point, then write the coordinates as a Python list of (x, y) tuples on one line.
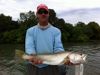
[(8, 65)]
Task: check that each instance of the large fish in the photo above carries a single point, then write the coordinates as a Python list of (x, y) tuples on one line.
[(56, 58)]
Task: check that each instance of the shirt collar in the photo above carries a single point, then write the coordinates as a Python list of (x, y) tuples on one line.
[(44, 27)]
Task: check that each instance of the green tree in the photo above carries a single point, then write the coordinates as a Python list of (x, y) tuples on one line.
[(6, 23), (52, 17), (93, 30), (14, 31), (78, 33)]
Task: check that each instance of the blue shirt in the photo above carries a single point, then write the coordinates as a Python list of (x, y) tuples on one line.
[(42, 41)]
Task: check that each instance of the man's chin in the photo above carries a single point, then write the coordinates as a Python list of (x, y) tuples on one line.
[(45, 20)]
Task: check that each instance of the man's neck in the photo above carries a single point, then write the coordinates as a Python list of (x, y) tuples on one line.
[(44, 26), (43, 23)]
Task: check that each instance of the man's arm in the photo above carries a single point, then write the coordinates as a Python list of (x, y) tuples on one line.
[(30, 47), (58, 47), (29, 42)]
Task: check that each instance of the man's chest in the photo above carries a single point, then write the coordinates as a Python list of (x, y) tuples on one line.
[(44, 36)]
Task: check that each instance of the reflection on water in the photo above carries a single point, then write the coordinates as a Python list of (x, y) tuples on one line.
[(8, 65)]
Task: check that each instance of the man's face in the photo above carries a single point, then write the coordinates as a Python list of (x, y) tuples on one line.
[(43, 15)]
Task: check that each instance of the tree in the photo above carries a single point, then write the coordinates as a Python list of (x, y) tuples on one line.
[(93, 30), (79, 33), (52, 16), (6, 23), (14, 31)]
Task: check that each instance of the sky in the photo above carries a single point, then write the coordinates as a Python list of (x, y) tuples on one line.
[(71, 10)]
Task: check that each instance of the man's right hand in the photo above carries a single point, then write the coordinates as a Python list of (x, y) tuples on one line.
[(35, 60)]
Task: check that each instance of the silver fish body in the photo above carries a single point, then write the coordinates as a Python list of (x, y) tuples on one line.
[(60, 58)]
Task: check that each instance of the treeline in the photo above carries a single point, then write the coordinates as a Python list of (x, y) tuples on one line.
[(14, 31)]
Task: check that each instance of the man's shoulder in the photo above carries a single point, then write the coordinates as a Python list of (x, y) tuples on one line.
[(55, 29), (32, 28)]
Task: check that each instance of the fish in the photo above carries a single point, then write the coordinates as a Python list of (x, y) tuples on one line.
[(59, 58)]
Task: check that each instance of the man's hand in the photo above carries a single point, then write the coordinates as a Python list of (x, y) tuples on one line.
[(67, 62), (35, 60), (71, 64)]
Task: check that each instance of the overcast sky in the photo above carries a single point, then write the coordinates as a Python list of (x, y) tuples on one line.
[(14, 7)]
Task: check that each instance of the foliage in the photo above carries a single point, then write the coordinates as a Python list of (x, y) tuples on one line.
[(14, 31)]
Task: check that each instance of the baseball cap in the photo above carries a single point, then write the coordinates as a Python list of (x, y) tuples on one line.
[(42, 6)]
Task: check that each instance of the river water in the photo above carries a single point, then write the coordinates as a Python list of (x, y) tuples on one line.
[(8, 65)]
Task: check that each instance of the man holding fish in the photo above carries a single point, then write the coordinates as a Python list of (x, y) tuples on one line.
[(43, 38)]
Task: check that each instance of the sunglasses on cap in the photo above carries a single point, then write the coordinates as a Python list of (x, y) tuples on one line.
[(42, 11)]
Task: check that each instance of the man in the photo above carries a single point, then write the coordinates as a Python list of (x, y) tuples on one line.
[(41, 39)]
